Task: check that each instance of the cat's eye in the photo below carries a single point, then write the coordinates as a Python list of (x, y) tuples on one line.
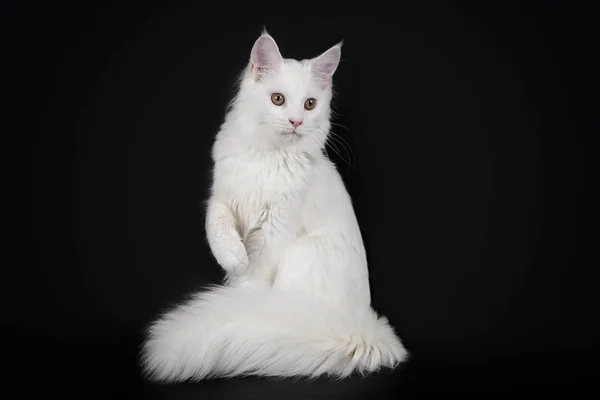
[(310, 103), (277, 99)]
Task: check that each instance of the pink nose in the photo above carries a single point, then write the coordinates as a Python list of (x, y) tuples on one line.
[(295, 122)]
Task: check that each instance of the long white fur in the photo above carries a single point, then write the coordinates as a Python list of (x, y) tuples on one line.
[(296, 300)]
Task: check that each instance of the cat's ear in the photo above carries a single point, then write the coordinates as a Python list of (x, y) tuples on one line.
[(324, 66), (265, 56)]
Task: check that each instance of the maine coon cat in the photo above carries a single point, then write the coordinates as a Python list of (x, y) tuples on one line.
[(296, 299)]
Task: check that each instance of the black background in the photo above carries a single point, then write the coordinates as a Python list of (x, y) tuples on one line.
[(467, 155)]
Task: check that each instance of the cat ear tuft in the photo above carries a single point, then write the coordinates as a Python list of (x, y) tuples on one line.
[(265, 56), (324, 66)]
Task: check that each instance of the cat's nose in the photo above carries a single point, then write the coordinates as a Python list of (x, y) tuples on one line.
[(295, 122)]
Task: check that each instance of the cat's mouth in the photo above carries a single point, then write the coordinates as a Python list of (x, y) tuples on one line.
[(293, 133), (293, 136)]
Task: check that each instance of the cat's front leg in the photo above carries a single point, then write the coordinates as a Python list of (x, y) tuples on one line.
[(275, 228), (223, 238)]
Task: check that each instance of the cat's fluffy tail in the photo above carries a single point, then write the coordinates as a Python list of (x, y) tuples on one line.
[(232, 331)]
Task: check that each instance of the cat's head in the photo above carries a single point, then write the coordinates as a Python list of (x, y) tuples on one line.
[(285, 101)]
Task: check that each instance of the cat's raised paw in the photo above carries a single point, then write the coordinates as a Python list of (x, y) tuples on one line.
[(234, 258)]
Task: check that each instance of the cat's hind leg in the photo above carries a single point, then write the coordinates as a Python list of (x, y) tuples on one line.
[(324, 266), (325, 270)]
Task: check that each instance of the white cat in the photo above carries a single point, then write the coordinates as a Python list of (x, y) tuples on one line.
[(280, 222)]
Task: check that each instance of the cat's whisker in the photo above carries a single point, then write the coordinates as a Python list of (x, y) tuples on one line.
[(332, 145), (339, 138), (345, 145), (328, 143), (340, 126), (334, 113)]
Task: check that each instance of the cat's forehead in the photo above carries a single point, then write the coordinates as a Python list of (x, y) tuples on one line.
[(295, 75)]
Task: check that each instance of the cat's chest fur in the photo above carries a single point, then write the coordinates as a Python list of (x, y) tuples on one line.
[(252, 183)]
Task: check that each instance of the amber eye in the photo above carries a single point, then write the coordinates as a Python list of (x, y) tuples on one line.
[(310, 104), (277, 99)]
